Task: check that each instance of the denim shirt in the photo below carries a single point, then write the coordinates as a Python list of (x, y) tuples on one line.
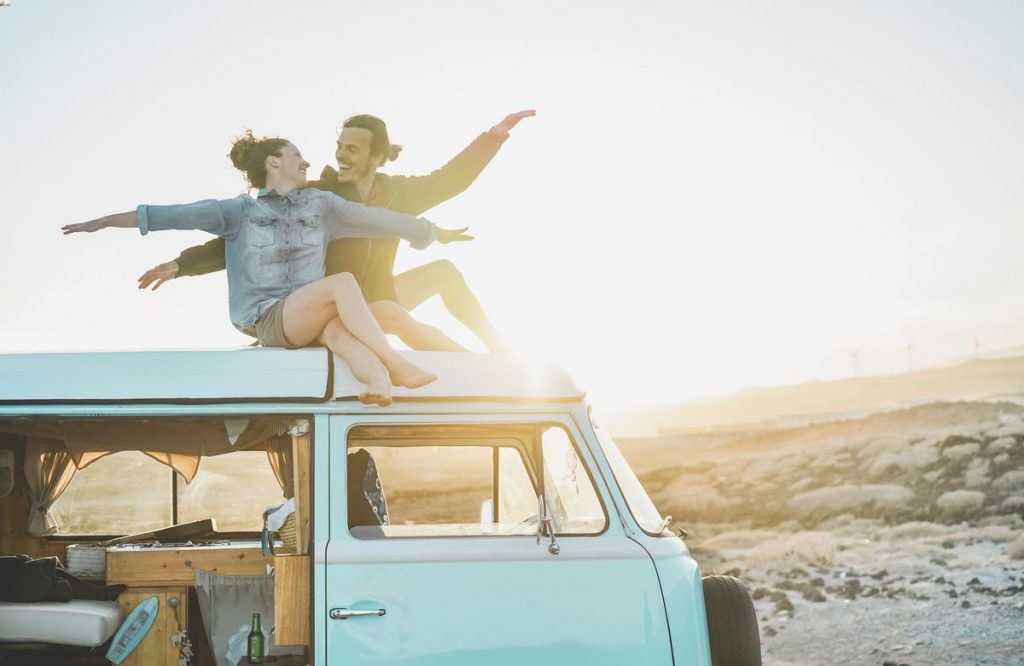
[(275, 244)]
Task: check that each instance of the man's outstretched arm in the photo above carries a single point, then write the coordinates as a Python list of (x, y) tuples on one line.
[(196, 260), (420, 193)]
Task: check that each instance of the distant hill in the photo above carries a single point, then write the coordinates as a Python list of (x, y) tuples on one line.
[(987, 378)]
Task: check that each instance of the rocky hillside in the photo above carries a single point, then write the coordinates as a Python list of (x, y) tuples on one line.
[(896, 538)]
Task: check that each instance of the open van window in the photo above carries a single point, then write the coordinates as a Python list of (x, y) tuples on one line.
[(110, 476), (129, 492)]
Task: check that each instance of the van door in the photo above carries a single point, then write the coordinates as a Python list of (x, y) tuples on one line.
[(448, 559)]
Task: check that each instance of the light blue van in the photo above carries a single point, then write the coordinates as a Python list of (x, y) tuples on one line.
[(484, 519)]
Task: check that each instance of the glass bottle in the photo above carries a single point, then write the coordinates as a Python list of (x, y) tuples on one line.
[(256, 641)]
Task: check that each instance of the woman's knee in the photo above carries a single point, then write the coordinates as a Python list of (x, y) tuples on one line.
[(333, 332), (343, 282)]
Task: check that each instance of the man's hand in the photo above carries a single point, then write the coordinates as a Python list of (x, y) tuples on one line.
[(511, 120), (157, 275), (445, 236)]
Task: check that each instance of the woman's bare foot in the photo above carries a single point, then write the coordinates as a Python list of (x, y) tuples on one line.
[(404, 373), (378, 390)]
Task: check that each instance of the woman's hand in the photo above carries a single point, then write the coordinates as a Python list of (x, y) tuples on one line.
[(445, 236), (157, 275), (123, 220), (511, 120), (87, 227)]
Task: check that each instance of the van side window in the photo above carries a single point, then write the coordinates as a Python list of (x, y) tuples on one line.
[(443, 481), (129, 492), (121, 493)]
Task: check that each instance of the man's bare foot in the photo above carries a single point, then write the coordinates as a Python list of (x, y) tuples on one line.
[(404, 373), (378, 390)]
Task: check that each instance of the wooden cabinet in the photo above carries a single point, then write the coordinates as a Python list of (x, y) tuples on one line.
[(168, 572), (157, 566), (156, 649), (291, 599)]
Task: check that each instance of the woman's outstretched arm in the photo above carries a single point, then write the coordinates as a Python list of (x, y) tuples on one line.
[(218, 217)]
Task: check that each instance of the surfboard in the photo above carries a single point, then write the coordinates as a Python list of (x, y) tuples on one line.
[(133, 629)]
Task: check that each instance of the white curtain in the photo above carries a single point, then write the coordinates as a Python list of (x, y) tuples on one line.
[(48, 470)]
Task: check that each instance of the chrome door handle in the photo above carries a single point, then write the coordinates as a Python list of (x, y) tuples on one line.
[(346, 613)]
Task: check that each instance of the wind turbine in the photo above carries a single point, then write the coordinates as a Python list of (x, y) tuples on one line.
[(977, 348), (910, 357), (855, 356)]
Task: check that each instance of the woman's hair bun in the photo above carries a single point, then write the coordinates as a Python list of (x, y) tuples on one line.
[(393, 150), (241, 150)]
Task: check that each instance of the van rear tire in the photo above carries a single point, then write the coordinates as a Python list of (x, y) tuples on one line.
[(732, 622)]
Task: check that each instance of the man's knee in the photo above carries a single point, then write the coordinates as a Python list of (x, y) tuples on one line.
[(449, 275), (391, 316)]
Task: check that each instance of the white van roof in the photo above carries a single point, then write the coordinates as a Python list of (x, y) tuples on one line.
[(257, 374)]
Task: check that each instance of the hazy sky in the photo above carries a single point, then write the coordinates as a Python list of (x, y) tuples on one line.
[(712, 195)]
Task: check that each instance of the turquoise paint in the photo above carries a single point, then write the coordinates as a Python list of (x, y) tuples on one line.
[(133, 630), (495, 600)]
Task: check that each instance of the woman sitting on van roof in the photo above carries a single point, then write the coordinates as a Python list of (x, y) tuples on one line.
[(275, 246)]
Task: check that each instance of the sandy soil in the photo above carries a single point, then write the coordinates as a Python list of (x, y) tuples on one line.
[(893, 539)]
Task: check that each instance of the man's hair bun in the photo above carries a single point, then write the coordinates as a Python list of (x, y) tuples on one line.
[(393, 150)]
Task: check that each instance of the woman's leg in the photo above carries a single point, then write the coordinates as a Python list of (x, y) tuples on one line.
[(309, 309), (396, 320), (442, 277), (365, 365)]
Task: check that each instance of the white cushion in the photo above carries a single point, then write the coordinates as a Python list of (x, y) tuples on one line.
[(77, 622)]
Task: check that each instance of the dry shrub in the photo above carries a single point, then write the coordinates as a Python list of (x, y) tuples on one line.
[(916, 457), (764, 488), (879, 445), (1014, 502), (801, 484), (1000, 445), (1015, 549), (959, 502), (817, 548), (834, 523), (1010, 428), (961, 451), (914, 530), (882, 498), (738, 539), (694, 500), (976, 475), (1012, 480), (994, 533), (1001, 459)]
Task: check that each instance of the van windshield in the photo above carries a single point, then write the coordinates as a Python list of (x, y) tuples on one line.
[(640, 504)]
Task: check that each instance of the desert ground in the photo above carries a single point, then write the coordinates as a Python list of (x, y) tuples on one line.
[(891, 538)]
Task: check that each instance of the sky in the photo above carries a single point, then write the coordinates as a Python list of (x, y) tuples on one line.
[(711, 196)]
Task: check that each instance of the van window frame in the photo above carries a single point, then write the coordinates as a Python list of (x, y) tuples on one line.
[(531, 459), (135, 410)]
